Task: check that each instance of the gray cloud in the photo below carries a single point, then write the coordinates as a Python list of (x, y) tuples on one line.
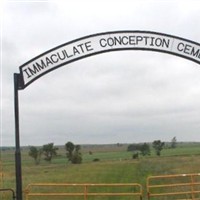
[(127, 96)]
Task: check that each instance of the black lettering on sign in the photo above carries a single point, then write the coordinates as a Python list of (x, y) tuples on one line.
[(40, 66), (195, 52), (106, 42), (75, 51), (54, 58), (102, 42), (188, 49), (48, 61), (62, 55)]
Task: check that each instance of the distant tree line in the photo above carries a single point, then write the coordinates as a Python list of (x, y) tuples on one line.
[(145, 148), (48, 151), (74, 156)]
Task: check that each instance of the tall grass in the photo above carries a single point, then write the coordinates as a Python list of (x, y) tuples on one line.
[(112, 167)]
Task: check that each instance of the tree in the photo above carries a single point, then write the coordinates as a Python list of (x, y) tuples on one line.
[(135, 155), (77, 156), (49, 151), (69, 146), (173, 143), (145, 149), (35, 153), (158, 146), (73, 153), (133, 147)]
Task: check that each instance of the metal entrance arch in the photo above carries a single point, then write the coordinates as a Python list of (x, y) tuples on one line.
[(89, 46)]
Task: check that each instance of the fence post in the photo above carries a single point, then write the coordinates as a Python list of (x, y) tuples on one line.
[(85, 192), (192, 186)]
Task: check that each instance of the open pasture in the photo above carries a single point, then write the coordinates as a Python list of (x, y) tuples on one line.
[(115, 165)]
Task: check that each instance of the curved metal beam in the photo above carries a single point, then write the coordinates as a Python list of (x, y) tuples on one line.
[(106, 42)]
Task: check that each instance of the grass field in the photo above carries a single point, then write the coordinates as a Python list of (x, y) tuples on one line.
[(115, 165)]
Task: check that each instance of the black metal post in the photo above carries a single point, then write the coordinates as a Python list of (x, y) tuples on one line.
[(18, 170)]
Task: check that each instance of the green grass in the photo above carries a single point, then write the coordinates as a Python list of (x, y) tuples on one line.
[(114, 166)]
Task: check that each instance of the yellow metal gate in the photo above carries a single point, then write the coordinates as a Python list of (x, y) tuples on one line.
[(180, 186), (85, 190)]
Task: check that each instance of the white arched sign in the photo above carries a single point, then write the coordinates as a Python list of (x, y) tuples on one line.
[(105, 42)]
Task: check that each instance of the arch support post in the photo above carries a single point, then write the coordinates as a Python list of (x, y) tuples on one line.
[(18, 170)]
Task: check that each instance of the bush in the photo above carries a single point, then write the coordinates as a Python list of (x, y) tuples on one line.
[(135, 155)]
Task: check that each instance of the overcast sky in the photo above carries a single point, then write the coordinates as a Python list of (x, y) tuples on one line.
[(115, 97)]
